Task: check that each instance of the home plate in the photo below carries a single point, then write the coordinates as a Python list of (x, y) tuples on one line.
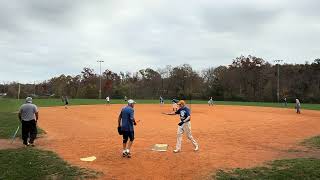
[(88, 159), (160, 147)]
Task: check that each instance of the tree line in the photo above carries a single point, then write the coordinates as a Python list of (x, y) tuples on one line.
[(247, 78)]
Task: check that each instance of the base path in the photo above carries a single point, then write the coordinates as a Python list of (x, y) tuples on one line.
[(229, 137), (8, 144)]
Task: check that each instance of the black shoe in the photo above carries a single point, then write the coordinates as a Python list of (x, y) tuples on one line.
[(26, 144), (128, 155), (124, 154)]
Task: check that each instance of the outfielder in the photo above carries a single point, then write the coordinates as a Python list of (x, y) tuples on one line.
[(285, 102), (174, 105), (210, 102), (66, 102), (126, 121), (108, 100), (161, 100), (298, 106), (183, 126)]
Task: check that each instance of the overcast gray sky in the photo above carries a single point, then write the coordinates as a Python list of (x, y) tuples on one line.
[(40, 39)]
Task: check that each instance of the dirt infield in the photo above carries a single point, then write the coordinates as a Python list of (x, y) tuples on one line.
[(6, 144), (229, 136)]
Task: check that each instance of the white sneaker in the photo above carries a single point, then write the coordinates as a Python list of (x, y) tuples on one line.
[(176, 150), (196, 148)]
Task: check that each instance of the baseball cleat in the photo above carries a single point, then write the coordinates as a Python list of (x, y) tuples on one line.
[(176, 150), (124, 153), (196, 148), (128, 153)]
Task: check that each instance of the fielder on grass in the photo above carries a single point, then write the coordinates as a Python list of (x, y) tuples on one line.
[(28, 116), (174, 105), (285, 101), (66, 102), (108, 100), (183, 126), (161, 100), (298, 106), (127, 121), (210, 102)]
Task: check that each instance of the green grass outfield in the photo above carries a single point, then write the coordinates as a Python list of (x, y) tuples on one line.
[(7, 105)]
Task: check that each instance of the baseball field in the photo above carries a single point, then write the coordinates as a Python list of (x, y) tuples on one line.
[(229, 137)]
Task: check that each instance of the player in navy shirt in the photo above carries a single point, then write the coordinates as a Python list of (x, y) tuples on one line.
[(183, 126), (126, 121), (184, 113)]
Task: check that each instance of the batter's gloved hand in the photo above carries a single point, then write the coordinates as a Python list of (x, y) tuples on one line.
[(180, 123), (119, 130)]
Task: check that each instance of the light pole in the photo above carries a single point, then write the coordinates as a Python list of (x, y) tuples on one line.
[(34, 88), (100, 78), (4, 87), (278, 83), (191, 91), (184, 82), (19, 88)]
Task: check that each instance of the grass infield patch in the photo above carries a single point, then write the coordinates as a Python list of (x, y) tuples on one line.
[(302, 168), (313, 142), (31, 163)]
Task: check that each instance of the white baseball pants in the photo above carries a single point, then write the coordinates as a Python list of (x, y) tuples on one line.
[(186, 127)]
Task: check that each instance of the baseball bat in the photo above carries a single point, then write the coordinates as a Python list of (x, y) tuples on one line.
[(15, 134)]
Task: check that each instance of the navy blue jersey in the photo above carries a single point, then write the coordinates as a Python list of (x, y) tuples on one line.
[(127, 117), (184, 112)]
